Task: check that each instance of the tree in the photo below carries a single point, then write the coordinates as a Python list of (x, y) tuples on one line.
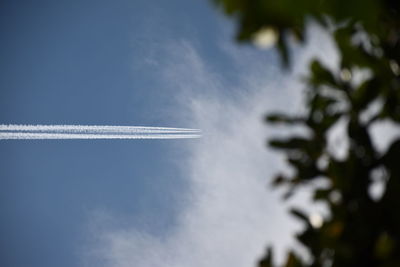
[(360, 230)]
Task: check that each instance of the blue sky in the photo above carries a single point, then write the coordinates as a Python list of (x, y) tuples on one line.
[(137, 203)]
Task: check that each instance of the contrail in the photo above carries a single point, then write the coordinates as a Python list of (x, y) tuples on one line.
[(13, 131)]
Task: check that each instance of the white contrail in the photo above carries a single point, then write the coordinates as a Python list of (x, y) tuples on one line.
[(31, 136), (91, 128), (94, 132)]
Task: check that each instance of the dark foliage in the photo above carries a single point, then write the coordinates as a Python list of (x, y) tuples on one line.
[(361, 230)]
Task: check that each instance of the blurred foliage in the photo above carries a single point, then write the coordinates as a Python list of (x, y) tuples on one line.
[(361, 229)]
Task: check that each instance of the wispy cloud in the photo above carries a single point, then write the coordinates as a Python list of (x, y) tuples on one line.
[(229, 215)]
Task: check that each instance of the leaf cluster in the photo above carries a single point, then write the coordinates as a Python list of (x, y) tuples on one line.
[(361, 229)]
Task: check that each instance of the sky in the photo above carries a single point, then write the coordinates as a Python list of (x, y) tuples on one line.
[(117, 203)]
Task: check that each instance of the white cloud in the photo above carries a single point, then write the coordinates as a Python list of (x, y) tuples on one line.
[(229, 215), (383, 133)]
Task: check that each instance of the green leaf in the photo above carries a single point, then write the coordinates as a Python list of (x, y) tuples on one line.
[(368, 91), (299, 214), (291, 143), (283, 118), (293, 261), (322, 194), (321, 75), (267, 260)]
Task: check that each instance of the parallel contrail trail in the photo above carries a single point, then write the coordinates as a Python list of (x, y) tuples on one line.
[(94, 132)]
